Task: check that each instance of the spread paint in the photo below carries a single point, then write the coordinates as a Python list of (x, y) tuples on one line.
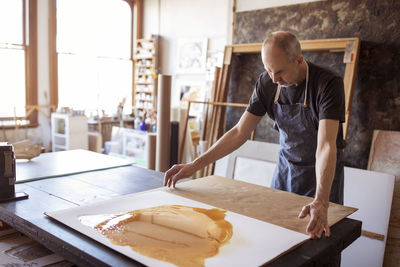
[(182, 235)]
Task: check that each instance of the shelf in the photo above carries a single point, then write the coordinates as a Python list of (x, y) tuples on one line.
[(143, 66), (146, 92), (144, 57), (146, 40), (60, 146), (147, 83), (60, 135)]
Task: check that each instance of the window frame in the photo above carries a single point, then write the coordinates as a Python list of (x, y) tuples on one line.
[(29, 28), (136, 33)]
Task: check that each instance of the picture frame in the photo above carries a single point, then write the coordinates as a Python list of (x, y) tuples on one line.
[(191, 55)]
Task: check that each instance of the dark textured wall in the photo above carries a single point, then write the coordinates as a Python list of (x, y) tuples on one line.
[(376, 99)]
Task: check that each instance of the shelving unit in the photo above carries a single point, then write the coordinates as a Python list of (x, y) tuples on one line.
[(68, 132), (145, 84)]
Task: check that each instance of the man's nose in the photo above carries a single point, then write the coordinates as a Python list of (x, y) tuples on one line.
[(275, 78)]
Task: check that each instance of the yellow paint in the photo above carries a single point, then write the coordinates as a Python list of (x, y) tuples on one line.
[(181, 235)]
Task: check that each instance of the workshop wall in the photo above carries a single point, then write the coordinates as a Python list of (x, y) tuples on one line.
[(376, 99)]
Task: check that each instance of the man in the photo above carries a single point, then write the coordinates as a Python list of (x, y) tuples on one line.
[(306, 103)]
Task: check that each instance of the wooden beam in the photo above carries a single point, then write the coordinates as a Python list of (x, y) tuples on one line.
[(53, 53), (336, 45), (349, 81), (31, 81)]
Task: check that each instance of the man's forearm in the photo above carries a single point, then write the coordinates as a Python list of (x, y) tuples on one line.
[(228, 143), (325, 171)]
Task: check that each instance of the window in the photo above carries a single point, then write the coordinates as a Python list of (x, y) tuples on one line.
[(18, 72), (94, 55)]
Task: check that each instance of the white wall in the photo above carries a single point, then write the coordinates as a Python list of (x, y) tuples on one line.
[(180, 19), (186, 19)]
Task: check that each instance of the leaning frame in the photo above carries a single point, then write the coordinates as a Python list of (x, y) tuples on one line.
[(350, 47)]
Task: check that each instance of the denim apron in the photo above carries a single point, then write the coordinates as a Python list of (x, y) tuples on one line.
[(298, 135)]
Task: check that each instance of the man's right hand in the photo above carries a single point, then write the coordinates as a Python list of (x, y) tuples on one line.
[(177, 172)]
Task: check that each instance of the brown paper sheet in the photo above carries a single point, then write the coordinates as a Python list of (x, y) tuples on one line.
[(259, 202)]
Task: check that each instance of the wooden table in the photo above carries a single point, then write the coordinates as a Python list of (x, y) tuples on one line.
[(53, 194)]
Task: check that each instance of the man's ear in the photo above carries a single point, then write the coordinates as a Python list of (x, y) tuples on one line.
[(299, 59)]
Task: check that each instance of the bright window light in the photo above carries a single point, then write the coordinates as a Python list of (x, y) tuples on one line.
[(94, 50), (12, 59)]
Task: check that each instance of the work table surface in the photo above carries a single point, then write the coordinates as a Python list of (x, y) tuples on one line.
[(27, 216)]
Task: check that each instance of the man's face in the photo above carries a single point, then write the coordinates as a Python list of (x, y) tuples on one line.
[(279, 68)]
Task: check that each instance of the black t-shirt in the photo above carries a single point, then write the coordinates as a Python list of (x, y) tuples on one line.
[(325, 97)]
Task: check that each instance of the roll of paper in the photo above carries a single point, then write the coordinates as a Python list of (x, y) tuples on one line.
[(163, 123), (151, 151)]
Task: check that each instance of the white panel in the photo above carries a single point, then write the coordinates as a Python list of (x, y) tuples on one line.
[(253, 242), (254, 171), (370, 192), (251, 149), (365, 252)]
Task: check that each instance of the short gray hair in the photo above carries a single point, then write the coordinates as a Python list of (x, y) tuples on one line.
[(286, 41)]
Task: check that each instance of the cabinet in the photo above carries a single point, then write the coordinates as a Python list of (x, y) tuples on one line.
[(145, 83), (68, 132)]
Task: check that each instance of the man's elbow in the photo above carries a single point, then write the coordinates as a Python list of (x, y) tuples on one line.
[(326, 149)]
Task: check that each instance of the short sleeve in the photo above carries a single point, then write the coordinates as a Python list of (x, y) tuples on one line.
[(332, 101), (257, 102)]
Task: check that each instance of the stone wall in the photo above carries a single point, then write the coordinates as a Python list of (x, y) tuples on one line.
[(376, 99)]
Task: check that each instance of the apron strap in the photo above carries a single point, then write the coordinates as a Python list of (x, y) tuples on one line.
[(278, 91), (305, 93)]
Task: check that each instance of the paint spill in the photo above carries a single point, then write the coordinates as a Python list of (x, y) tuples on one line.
[(181, 235)]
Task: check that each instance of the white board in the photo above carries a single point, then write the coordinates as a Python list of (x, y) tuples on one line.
[(370, 192), (253, 242), (254, 171), (251, 149)]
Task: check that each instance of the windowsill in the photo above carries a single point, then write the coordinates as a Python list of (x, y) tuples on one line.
[(11, 127)]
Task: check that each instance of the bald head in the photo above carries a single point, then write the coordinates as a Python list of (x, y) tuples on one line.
[(285, 41), (282, 59)]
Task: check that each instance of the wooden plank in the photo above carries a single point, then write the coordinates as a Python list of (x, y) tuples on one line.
[(214, 91), (222, 98), (336, 45), (53, 58), (373, 235), (385, 157), (182, 145), (349, 81)]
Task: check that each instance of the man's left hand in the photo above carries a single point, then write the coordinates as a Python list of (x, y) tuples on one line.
[(318, 223)]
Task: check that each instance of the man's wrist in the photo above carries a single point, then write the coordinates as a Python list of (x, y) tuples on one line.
[(321, 201), (197, 163)]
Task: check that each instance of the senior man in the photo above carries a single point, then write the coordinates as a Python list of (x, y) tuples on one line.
[(307, 104)]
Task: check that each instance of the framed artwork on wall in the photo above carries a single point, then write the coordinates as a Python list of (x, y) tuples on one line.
[(191, 56)]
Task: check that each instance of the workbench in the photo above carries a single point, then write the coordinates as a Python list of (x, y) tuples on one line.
[(27, 216)]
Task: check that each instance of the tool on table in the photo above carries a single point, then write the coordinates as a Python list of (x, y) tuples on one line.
[(7, 174)]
